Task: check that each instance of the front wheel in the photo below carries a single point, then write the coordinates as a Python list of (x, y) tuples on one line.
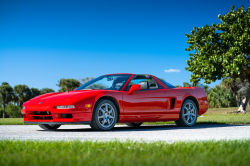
[(188, 114), (49, 126), (104, 116), (133, 124)]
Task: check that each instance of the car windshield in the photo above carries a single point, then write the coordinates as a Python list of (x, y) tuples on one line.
[(107, 82)]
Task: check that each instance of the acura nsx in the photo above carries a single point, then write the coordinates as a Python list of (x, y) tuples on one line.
[(117, 98)]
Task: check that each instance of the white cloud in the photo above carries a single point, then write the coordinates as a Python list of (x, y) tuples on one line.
[(172, 70)]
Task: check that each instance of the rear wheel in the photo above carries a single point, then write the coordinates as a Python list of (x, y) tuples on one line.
[(104, 116), (49, 126), (133, 124), (188, 114)]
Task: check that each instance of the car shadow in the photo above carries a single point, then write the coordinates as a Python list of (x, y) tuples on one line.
[(121, 128)]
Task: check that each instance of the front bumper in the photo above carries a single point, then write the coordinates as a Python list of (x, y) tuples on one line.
[(57, 116), (58, 123)]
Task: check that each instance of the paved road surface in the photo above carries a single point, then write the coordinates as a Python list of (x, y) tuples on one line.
[(168, 133)]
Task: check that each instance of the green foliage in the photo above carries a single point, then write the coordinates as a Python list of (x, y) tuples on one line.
[(6, 94), (186, 84), (206, 88), (35, 92), (1, 111), (233, 84), (46, 90), (220, 97), (221, 50), (68, 84), (13, 111), (128, 153), (23, 94), (85, 80), (177, 86)]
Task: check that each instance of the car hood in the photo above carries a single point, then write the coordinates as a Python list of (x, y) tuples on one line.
[(57, 97)]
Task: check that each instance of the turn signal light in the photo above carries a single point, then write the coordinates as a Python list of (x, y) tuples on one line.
[(87, 105)]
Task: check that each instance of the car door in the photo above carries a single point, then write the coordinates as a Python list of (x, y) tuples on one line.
[(146, 103)]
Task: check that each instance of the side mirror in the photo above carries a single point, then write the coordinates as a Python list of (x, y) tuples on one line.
[(134, 88)]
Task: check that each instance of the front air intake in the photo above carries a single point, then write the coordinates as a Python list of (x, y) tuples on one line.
[(41, 115), (66, 115)]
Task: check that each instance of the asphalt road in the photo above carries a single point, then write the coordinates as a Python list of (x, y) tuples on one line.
[(169, 133)]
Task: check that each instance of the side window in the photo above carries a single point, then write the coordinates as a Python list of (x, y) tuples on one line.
[(146, 83)]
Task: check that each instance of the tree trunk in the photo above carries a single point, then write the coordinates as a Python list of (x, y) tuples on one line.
[(237, 100), (4, 107), (247, 98), (21, 105), (245, 101)]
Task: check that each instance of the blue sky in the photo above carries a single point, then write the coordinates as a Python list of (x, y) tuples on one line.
[(44, 41)]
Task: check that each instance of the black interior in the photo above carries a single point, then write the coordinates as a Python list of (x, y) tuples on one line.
[(152, 86), (146, 84), (118, 83)]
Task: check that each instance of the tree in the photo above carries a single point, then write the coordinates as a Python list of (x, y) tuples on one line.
[(220, 97), (23, 93), (6, 92), (233, 85), (206, 88), (13, 111), (221, 50), (68, 84), (46, 90), (85, 80), (35, 92), (177, 86), (186, 84), (196, 84), (1, 101)]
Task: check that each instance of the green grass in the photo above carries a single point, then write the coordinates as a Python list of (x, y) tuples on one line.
[(60, 153), (11, 121), (212, 116)]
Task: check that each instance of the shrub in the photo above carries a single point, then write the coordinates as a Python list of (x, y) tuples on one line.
[(220, 97), (13, 111)]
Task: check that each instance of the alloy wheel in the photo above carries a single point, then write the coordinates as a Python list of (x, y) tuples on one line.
[(189, 113), (106, 115)]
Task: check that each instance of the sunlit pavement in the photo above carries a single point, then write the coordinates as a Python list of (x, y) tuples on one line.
[(169, 133)]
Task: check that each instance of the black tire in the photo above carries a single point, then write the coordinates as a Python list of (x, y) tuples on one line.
[(134, 124), (187, 118), (49, 126), (98, 123)]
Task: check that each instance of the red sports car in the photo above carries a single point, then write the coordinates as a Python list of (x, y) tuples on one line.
[(117, 98)]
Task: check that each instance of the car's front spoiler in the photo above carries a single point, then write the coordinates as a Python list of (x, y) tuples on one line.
[(59, 123)]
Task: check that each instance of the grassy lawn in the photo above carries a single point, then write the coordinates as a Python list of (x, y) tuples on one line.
[(66, 153), (11, 121), (212, 116)]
